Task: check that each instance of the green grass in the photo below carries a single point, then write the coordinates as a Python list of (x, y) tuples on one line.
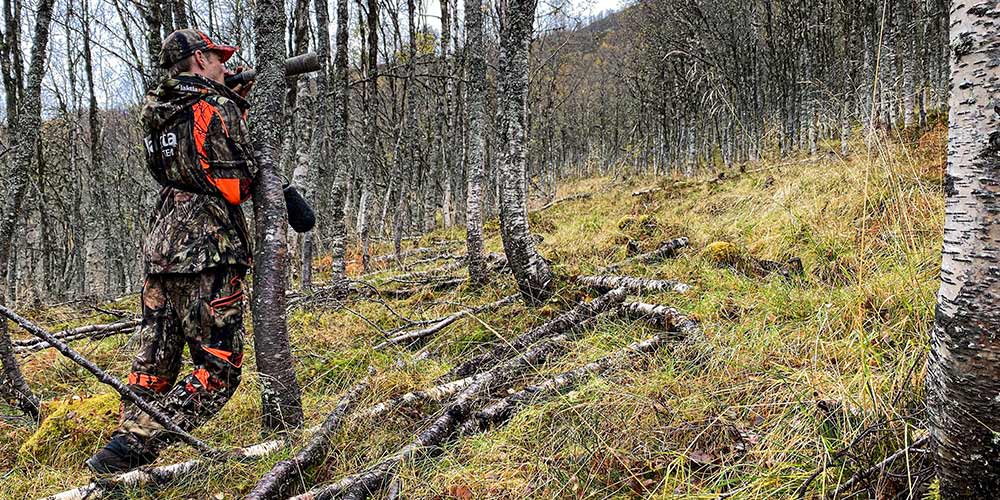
[(850, 333)]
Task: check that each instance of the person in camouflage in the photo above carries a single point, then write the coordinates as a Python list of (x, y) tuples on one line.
[(197, 251)]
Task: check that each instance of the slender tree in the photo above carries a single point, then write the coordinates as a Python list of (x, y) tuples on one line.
[(341, 93), (25, 143), (280, 399), (532, 272), (476, 106)]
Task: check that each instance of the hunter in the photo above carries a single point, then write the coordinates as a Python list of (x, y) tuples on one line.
[(197, 251)]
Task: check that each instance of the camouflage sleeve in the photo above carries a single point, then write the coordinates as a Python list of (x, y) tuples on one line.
[(222, 143)]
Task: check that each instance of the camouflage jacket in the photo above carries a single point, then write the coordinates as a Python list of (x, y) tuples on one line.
[(198, 148)]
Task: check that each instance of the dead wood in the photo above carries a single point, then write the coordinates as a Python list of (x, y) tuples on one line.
[(95, 332), (646, 191), (444, 322), (440, 286), (370, 481), (445, 256), (577, 196), (126, 393), (500, 411), (284, 477), (564, 322), (160, 475), (666, 250), (414, 252), (877, 468), (632, 284), (662, 317)]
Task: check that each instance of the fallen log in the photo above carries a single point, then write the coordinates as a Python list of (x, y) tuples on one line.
[(662, 317), (412, 252), (564, 322), (500, 411), (126, 393), (159, 475), (95, 332), (444, 322), (445, 256), (577, 196), (646, 191), (607, 282), (283, 478), (403, 293), (365, 483), (666, 250)]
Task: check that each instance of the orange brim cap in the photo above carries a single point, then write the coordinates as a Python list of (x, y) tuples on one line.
[(225, 51)]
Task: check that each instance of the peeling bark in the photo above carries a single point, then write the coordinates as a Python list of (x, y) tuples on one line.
[(963, 383), (632, 284), (476, 91)]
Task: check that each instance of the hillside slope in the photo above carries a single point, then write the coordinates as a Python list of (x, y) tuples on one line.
[(819, 370)]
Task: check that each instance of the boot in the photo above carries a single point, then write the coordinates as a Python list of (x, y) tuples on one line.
[(119, 455)]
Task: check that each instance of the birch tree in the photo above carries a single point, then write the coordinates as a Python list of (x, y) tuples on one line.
[(963, 378), (532, 272), (25, 138), (476, 91)]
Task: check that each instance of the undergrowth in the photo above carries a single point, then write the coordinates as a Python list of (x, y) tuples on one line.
[(822, 370)]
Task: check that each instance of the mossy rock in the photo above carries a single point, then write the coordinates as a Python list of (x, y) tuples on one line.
[(72, 431), (723, 253)]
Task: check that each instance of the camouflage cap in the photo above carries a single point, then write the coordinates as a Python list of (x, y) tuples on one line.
[(184, 42)]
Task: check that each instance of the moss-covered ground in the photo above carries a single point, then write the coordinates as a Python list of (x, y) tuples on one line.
[(822, 370)]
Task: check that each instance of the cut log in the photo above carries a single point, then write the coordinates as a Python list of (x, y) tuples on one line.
[(282, 480), (666, 250), (500, 411), (95, 332), (564, 322), (126, 393), (160, 475), (607, 282), (444, 322)]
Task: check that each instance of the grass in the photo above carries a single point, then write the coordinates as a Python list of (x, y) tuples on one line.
[(801, 368)]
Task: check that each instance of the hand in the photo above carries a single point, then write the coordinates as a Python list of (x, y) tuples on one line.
[(242, 89)]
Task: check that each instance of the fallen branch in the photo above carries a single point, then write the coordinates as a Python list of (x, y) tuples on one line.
[(403, 293), (865, 474), (364, 484), (445, 256), (607, 282), (411, 253), (502, 410), (646, 191), (444, 322), (160, 475), (667, 250), (577, 196), (122, 389), (281, 481), (95, 332), (662, 317), (564, 322)]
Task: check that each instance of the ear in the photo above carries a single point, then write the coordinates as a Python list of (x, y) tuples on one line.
[(200, 59)]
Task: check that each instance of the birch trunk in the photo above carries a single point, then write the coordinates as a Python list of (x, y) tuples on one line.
[(25, 138), (339, 143), (962, 376), (476, 99), (532, 272), (280, 400)]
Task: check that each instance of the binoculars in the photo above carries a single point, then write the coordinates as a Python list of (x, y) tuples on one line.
[(304, 63)]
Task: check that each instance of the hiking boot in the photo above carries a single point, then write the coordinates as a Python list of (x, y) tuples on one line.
[(119, 455)]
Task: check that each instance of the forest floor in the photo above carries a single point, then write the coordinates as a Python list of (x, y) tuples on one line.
[(822, 370)]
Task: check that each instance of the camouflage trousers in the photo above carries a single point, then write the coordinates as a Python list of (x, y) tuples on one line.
[(205, 312)]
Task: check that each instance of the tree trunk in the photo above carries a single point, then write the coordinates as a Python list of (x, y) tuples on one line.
[(280, 400), (532, 272), (962, 376), (339, 139), (25, 138), (476, 75)]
